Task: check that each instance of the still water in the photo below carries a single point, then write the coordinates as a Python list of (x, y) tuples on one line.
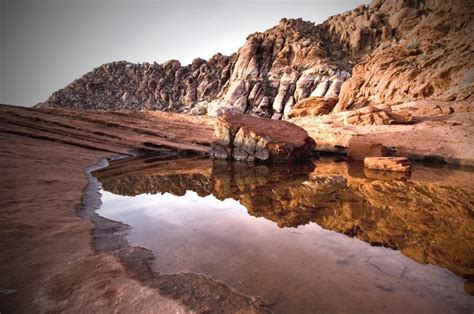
[(323, 236)]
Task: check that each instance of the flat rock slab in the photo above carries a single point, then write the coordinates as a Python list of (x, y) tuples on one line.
[(401, 164), (112, 132), (249, 138)]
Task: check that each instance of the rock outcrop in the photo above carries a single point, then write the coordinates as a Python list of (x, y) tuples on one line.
[(159, 133), (243, 137), (388, 52), (312, 106), (424, 51), (438, 131), (266, 77), (127, 86)]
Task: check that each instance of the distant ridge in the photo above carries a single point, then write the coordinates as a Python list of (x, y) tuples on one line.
[(388, 52)]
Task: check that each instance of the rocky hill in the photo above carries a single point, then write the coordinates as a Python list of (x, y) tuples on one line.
[(386, 53)]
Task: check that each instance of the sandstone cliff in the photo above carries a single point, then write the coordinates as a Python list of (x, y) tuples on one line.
[(427, 53), (388, 52)]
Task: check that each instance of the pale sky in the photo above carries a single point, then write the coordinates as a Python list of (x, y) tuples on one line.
[(46, 44)]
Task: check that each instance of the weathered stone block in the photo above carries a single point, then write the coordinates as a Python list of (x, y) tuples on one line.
[(244, 137)]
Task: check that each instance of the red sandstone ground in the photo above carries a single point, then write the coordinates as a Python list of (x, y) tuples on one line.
[(48, 261)]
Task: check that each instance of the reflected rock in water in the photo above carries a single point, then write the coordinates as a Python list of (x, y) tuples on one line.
[(428, 217)]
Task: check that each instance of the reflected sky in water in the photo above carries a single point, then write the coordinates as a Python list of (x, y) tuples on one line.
[(278, 247)]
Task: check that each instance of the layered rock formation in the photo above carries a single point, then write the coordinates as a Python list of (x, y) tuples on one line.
[(268, 75), (425, 51), (385, 53), (159, 133), (430, 130)]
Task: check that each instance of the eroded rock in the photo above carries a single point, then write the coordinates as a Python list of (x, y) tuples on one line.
[(383, 54), (371, 115), (267, 76), (424, 54), (244, 137), (312, 106)]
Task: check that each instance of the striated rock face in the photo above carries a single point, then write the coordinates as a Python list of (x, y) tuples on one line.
[(131, 133), (424, 51), (243, 137)]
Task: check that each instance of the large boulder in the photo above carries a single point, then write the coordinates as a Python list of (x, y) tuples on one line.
[(376, 116), (312, 106), (245, 137)]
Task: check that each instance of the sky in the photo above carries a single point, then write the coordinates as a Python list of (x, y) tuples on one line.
[(46, 44)]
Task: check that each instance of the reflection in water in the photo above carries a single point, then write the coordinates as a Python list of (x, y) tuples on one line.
[(429, 218)]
